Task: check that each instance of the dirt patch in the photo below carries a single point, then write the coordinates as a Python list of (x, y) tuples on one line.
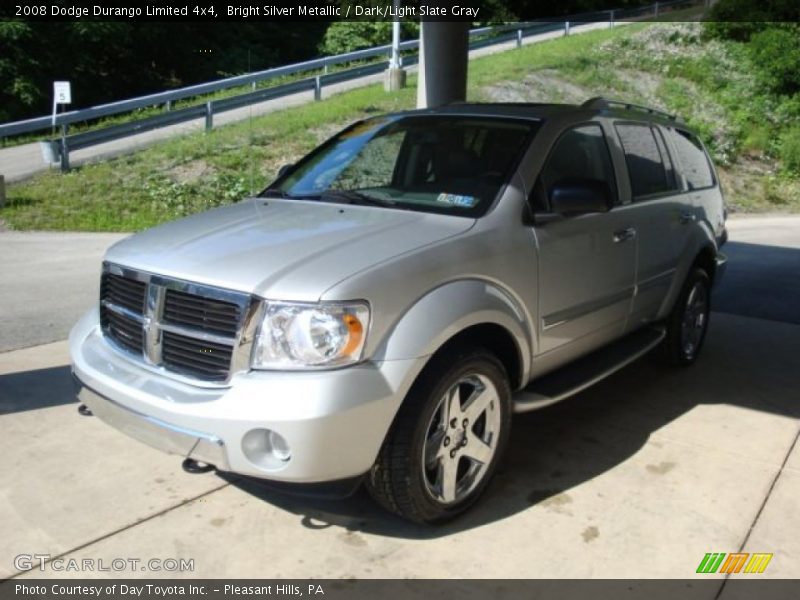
[(539, 86), (191, 171), (590, 533), (644, 85), (661, 468)]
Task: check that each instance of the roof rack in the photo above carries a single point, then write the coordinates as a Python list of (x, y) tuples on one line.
[(600, 103)]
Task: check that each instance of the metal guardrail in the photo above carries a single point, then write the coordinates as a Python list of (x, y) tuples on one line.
[(479, 38)]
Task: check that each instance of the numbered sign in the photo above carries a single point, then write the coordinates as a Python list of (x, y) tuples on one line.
[(62, 92)]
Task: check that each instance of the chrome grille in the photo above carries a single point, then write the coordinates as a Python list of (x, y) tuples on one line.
[(191, 331), (203, 313), (206, 360), (127, 293)]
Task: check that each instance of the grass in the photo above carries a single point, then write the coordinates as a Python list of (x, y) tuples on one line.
[(661, 65)]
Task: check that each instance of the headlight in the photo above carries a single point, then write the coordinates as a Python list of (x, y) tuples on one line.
[(303, 336)]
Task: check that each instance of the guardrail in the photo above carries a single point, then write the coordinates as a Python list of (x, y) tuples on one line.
[(57, 150)]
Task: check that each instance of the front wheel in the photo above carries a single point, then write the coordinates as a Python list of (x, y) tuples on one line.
[(447, 439), (688, 323)]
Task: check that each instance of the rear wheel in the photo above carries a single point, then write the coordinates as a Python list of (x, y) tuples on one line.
[(445, 443), (688, 323)]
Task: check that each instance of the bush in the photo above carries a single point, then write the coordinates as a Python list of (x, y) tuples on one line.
[(776, 54), (739, 20), (789, 149), (346, 36)]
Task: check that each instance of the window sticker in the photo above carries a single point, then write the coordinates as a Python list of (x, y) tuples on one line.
[(457, 200)]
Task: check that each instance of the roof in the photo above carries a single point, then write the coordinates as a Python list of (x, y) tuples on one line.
[(532, 110)]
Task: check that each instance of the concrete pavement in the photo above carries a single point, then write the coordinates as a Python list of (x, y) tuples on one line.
[(639, 476)]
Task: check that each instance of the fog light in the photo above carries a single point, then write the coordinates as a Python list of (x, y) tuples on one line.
[(266, 449), (280, 447)]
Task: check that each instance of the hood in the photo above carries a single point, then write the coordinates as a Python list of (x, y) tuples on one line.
[(281, 249)]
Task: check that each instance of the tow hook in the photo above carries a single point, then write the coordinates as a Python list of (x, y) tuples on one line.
[(85, 411), (194, 467)]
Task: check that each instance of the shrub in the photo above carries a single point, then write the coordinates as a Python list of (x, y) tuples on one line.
[(776, 53), (789, 149)]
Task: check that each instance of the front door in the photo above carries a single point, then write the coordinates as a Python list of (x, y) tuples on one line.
[(587, 262)]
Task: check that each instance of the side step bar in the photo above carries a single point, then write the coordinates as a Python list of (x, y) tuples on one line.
[(584, 372)]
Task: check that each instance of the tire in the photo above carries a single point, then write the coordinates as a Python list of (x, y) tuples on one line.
[(461, 459), (687, 324)]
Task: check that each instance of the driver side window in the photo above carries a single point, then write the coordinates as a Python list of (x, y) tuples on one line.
[(580, 155)]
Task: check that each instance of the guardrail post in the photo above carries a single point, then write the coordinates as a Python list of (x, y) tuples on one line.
[(655, 9), (253, 86), (209, 116), (325, 69), (2, 191), (519, 38), (168, 105), (317, 88), (64, 148), (611, 18), (566, 27)]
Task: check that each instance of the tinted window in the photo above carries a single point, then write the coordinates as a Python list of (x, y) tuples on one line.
[(439, 164), (672, 177), (579, 154), (645, 163), (692, 160)]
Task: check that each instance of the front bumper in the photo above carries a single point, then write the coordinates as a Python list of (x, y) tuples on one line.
[(334, 421)]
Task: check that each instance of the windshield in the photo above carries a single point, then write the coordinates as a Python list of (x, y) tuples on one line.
[(444, 164)]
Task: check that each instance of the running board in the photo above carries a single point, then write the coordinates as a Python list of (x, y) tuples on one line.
[(584, 372)]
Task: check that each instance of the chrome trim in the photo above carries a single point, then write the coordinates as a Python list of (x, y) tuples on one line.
[(154, 309), (152, 431), (153, 325), (121, 310), (197, 334), (581, 310)]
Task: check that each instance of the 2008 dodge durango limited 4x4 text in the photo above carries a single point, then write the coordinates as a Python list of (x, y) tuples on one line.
[(378, 313)]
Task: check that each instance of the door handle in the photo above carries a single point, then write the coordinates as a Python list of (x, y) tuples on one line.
[(624, 235), (686, 217)]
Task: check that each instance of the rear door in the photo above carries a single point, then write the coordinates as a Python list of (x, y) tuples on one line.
[(586, 262), (660, 212)]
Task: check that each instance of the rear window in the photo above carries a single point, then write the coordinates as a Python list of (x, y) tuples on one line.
[(693, 161), (644, 159)]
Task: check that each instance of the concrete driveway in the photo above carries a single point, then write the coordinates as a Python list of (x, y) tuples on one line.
[(639, 476)]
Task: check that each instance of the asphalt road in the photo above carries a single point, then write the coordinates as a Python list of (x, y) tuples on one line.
[(638, 476), (21, 162)]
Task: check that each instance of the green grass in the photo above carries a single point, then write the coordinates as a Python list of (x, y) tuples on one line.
[(707, 83)]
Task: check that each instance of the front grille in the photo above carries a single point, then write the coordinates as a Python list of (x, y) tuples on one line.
[(123, 330), (188, 329), (202, 359), (204, 313), (120, 291)]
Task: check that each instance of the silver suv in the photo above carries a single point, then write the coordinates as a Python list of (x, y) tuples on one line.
[(378, 313)]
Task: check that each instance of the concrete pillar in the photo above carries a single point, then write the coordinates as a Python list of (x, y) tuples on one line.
[(443, 57)]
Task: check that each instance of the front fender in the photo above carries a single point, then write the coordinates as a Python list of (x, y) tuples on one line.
[(451, 308)]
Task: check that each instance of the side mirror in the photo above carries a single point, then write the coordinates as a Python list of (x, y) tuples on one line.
[(571, 197), (284, 170)]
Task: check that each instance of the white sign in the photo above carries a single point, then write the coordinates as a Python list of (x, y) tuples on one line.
[(62, 92)]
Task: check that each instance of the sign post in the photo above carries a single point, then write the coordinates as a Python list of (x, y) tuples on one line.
[(62, 94)]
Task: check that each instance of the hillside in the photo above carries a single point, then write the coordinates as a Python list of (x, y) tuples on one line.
[(666, 65)]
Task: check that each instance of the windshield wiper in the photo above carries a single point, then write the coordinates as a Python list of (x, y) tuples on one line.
[(354, 197), (275, 193)]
